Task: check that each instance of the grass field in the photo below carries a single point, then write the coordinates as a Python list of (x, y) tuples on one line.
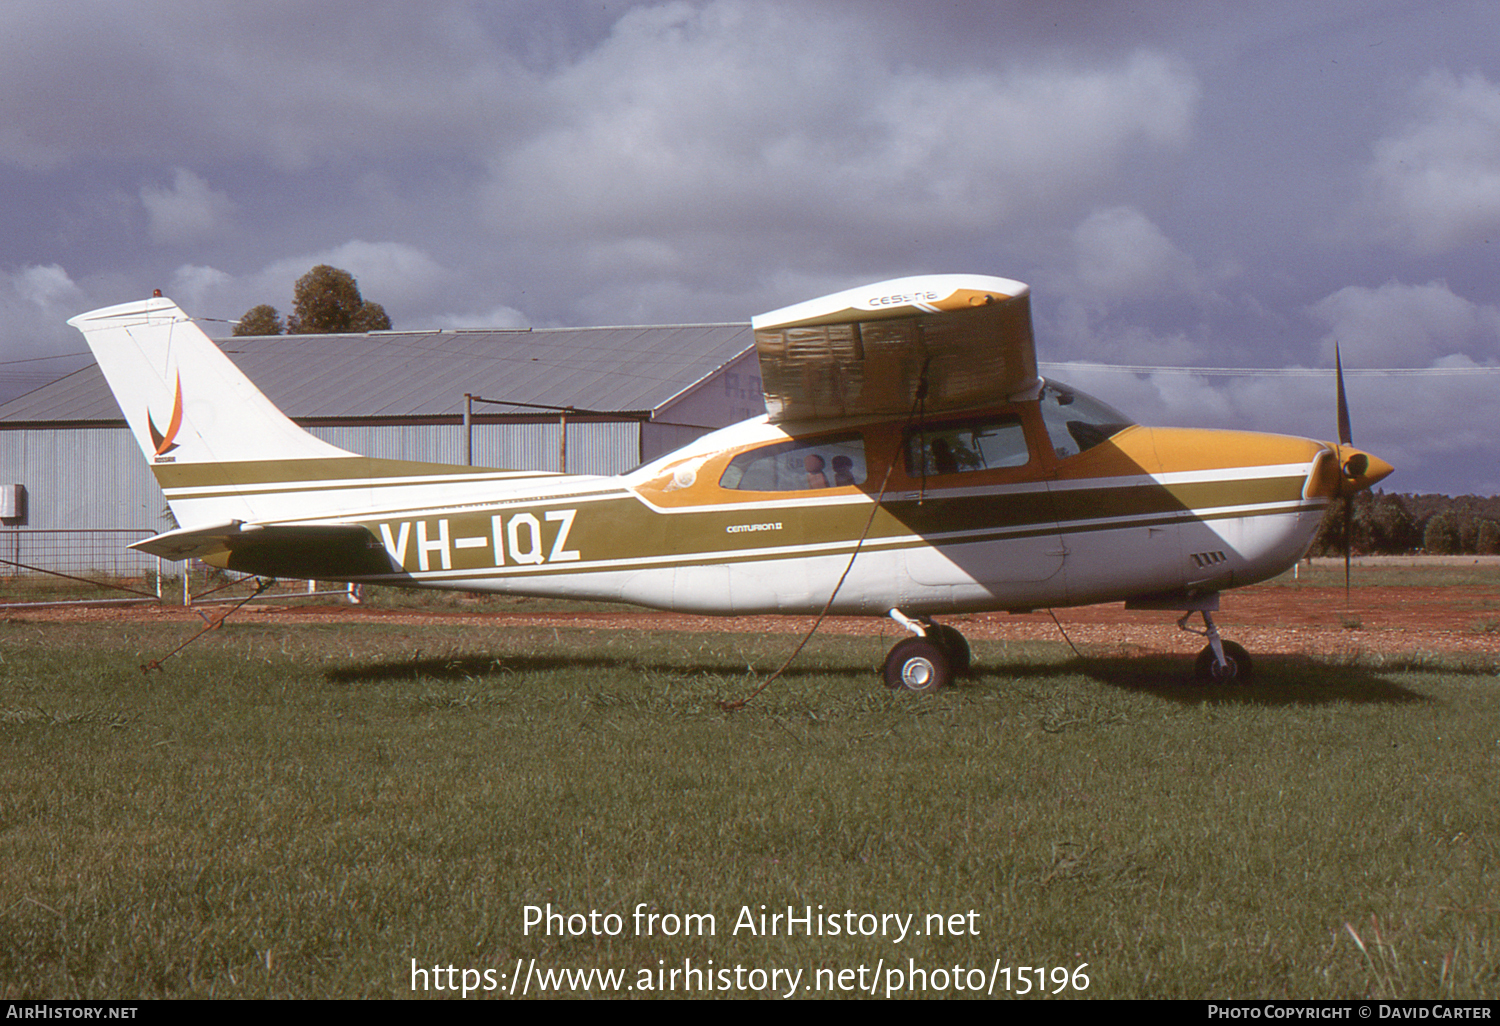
[(1396, 572), (313, 811)]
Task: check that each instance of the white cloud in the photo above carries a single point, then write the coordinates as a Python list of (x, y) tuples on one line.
[(1121, 254), (1114, 279), (46, 287), (709, 146), (185, 211), (778, 122), (639, 254), (35, 303), (194, 287), (389, 273), (495, 317), (1434, 181), (1397, 325), (395, 275)]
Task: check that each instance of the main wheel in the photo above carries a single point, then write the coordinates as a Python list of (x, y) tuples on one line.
[(1208, 671), (954, 645), (917, 664)]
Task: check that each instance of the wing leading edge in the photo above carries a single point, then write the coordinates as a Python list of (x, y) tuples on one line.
[(864, 351)]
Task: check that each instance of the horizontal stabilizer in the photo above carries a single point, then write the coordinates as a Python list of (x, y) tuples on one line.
[(190, 544), (313, 551)]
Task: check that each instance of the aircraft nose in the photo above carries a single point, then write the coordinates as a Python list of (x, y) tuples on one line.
[(1361, 470)]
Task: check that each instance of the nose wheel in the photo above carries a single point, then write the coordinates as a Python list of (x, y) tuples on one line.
[(1220, 662), (1234, 670)]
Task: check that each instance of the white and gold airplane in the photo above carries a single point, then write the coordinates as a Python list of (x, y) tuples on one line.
[(912, 463)]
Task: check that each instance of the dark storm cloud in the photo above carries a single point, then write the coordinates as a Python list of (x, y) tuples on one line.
[(1206, 184)]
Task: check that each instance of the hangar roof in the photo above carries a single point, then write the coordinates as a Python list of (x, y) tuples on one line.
[(416, 374)]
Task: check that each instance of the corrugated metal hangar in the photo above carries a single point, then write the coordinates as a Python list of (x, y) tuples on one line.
[(588, 400)]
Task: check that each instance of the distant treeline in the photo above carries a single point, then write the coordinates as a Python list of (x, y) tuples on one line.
[(1393, 525)]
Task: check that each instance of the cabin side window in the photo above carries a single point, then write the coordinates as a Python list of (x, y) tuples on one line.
[(833, 462), (961, 447)]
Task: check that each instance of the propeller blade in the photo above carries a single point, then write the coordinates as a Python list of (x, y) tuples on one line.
[(1345, 437)]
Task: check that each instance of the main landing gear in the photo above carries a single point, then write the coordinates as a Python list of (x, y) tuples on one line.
[(930, 659), (1220, 662), (937, 653)]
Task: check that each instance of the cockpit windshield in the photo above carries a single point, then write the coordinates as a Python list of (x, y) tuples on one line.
[(1076, 421)]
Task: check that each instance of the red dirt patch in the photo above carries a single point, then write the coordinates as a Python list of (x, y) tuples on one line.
[(1265, 619)]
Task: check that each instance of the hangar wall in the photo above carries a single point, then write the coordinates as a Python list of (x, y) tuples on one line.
[(89, 476)]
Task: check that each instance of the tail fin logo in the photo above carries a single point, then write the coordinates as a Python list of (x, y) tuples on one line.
[(165, 443)]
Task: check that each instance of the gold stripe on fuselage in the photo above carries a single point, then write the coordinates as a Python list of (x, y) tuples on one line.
[(655, 525), (1141, 478), (625, 534)]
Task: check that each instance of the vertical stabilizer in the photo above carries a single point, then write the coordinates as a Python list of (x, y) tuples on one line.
[(185, 401), (196, 417)]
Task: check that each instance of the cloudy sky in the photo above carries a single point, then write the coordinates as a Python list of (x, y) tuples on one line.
[(1206, 185)]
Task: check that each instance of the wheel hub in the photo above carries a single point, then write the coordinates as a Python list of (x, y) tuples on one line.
[(917, 673)]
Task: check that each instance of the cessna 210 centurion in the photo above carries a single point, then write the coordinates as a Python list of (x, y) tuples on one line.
[(911, 463)]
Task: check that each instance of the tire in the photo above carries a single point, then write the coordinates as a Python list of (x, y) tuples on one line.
[(917, 664), (1206, 669), (955, 646)]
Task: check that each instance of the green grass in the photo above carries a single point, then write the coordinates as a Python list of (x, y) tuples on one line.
[(1329, 573), (214, 588), (301, 811), (38, 588)]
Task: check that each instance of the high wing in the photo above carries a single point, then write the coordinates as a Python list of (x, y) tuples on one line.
[(867, 351)]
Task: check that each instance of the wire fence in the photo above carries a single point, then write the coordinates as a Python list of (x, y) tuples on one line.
[(41, 567)]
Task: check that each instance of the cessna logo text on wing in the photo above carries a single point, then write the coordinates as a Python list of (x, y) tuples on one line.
[(903, 299), (934, 472)]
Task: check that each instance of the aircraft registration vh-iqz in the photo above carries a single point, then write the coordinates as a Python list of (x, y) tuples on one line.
[(911, 463)]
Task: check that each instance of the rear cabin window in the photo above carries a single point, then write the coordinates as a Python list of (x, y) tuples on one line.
[(798, 465), (965, 446)]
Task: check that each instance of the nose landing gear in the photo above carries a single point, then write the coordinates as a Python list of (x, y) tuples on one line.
[(1220, 662)]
